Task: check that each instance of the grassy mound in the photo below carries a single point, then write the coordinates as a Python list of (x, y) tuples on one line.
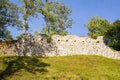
[(59, 68)]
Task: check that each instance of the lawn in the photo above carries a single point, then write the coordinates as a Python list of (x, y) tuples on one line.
[(59, 68)]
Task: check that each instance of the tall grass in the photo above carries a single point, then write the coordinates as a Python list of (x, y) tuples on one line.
[(59, 68)]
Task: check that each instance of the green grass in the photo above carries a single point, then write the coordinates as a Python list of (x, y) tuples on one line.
[(59, 68)]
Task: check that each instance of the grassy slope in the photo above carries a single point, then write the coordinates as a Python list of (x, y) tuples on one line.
[(59, 68)]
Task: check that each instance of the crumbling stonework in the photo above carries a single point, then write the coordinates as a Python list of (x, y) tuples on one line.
[(7, 48), (74, 45), (62, 46), (35, 46)]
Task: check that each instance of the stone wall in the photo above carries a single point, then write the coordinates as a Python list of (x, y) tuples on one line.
[(35, 46), (62, 46), (73, 45), (7, 48)]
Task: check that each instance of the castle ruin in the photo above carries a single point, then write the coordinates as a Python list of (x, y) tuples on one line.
[(61, 46)]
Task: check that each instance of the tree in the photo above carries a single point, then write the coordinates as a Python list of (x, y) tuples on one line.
[(29, 9), (56, 18), (8, 35), (112, 36), (110, 32), (8, 17), (63, 21), (48, 16), (97, 27)]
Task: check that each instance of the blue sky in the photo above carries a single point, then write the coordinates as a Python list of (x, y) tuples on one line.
[(82, 12)]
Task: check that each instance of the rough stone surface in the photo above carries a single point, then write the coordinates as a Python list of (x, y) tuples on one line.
[(73, 45), (7, 48), (62, 46), (35, 46)]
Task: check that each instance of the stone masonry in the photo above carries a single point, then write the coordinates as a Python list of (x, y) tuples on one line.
[(62, 46), (7, 48), (74, 45)]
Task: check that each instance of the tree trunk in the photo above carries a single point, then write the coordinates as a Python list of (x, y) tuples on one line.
[(46, 19), (25, 17)]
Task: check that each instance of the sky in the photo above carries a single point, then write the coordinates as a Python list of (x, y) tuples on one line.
[(82, 12)]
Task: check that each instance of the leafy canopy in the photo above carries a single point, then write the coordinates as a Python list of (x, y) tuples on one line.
[(8, 17), (56, 16), (97, 27), (110, 31), (112, 36)]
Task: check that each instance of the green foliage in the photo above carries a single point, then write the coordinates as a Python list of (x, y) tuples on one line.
[(49, 38), (55, 15), (8, 17), (110, 32), (8, 35), (62, 20), (36, 33), (59, 68), (44, 30), (19, 37), (29, 9), (64, 33), (56, 18), (97, 27), (112, 36)]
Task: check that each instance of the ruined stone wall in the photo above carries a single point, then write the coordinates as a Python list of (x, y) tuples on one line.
[(35, 46), (7, 48), (62, 46), (73, 45)]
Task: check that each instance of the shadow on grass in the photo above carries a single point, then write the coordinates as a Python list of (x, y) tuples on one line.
[(30, 64)]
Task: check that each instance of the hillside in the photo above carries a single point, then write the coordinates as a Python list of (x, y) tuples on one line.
[(59, 68)]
